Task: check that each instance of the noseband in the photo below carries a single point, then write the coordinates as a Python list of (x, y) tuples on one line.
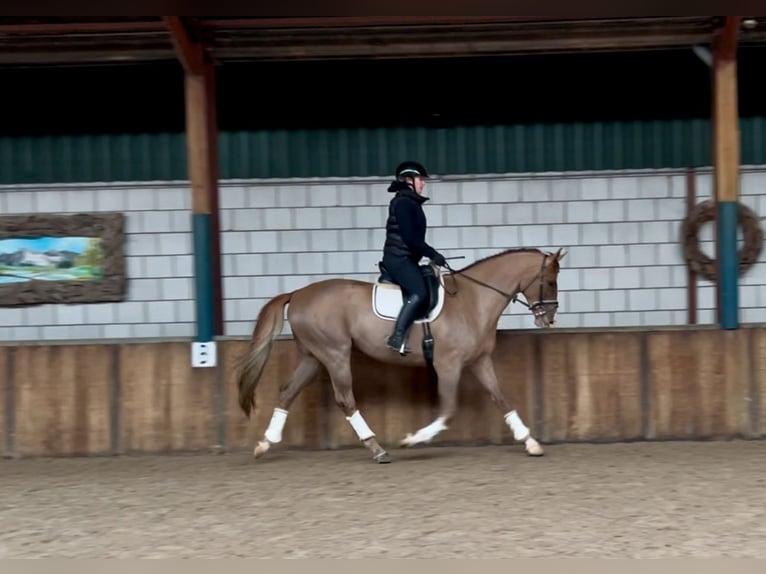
[(537, 308)]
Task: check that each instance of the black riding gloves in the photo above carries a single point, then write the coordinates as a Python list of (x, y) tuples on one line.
[(439, 260)]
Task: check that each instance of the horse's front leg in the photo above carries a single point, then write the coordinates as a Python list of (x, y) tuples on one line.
[(449, 379), (484, 371)]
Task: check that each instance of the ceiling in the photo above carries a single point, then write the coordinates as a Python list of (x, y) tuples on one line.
[(89, 39)]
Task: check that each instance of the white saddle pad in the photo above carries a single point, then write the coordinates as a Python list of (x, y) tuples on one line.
[(387, 301)]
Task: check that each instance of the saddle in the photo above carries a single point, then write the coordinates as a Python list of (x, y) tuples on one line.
[(387, 296)]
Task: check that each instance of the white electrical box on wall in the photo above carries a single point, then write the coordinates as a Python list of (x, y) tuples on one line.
[(203, 354)]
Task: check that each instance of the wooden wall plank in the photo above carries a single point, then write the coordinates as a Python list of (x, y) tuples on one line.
[(757, 394), (240, 431), (699, 383), (165, 403), (143, 401), (62, 395), (591, 386), (737, 379)]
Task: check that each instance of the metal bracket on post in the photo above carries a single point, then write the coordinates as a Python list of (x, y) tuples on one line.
[(704, 54), (203, 354)]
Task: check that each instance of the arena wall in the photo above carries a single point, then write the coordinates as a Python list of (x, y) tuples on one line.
[(622, 231), (76, 399)]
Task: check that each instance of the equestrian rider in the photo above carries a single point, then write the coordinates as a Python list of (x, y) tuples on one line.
[(405, 245)]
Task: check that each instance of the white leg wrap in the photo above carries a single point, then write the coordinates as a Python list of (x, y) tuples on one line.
[(273, 433), (427, 432), (520, 431), (360, 426)]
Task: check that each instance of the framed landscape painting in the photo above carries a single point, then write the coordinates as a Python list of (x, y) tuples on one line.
[(50, 258)]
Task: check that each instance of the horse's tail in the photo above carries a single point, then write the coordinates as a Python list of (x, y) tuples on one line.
[(268, 326)]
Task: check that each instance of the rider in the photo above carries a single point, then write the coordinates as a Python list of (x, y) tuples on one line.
[(405, 245)]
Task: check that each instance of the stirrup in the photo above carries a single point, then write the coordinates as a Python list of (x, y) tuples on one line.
[(402, 349)]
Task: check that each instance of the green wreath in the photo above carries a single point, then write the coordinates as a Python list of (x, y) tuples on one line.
[(704, 212)]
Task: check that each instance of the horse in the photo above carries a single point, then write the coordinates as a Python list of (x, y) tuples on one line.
[(331, 317)]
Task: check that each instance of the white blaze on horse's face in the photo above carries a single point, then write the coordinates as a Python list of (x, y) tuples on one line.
[(545, 316)]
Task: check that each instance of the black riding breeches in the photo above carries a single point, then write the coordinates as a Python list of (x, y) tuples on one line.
[(406, 273)]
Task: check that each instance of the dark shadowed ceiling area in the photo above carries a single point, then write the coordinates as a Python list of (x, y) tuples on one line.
[(93, 95)]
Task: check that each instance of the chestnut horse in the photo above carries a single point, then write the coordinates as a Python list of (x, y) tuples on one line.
[(330, 317)]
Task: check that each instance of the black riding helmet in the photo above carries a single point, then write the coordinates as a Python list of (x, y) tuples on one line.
[(411, 169)]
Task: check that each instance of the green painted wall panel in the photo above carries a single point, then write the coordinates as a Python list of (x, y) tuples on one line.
[(375, 151), (86, 158)]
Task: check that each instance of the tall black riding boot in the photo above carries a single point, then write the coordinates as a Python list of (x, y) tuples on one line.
[(407, 316)]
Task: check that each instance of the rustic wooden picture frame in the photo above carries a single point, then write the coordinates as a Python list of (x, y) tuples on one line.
[(108, 227)]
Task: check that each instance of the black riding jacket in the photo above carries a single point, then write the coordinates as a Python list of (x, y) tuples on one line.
[(406, 224)]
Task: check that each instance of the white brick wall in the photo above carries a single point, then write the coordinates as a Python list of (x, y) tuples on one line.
[(624, 266), (158, 253)]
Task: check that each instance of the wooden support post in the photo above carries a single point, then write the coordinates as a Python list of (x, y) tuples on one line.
[(726, 168), (202, 154)]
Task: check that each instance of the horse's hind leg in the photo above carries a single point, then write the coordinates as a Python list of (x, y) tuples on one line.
[(339, 369), (304, 373), (484, 371)]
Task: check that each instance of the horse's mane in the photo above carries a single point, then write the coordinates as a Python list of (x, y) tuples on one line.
[(500, 254)]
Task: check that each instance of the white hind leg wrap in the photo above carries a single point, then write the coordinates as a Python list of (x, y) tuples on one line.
[(520, 430), (360, 426), (273, 433)]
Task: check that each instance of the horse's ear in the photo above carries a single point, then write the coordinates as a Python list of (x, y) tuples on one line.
[(560, 255)]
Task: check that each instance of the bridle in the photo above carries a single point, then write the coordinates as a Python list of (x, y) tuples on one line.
[(538, 308)]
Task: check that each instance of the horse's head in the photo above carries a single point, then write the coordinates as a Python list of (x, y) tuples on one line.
[(541, 290)]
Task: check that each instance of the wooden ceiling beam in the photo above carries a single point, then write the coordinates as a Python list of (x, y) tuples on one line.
[(81, 27), (367, 21), (283, 39)]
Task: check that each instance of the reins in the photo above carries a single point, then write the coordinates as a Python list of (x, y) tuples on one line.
[(513, 297)]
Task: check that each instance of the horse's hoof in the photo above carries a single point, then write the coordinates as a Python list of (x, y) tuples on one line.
[(406, 441), (261, 449), (534, 448), (382, 458)]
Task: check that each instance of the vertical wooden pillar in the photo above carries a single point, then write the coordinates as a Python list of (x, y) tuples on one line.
[(726, 162), (202, 154), (201, 142), (215, 218)]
